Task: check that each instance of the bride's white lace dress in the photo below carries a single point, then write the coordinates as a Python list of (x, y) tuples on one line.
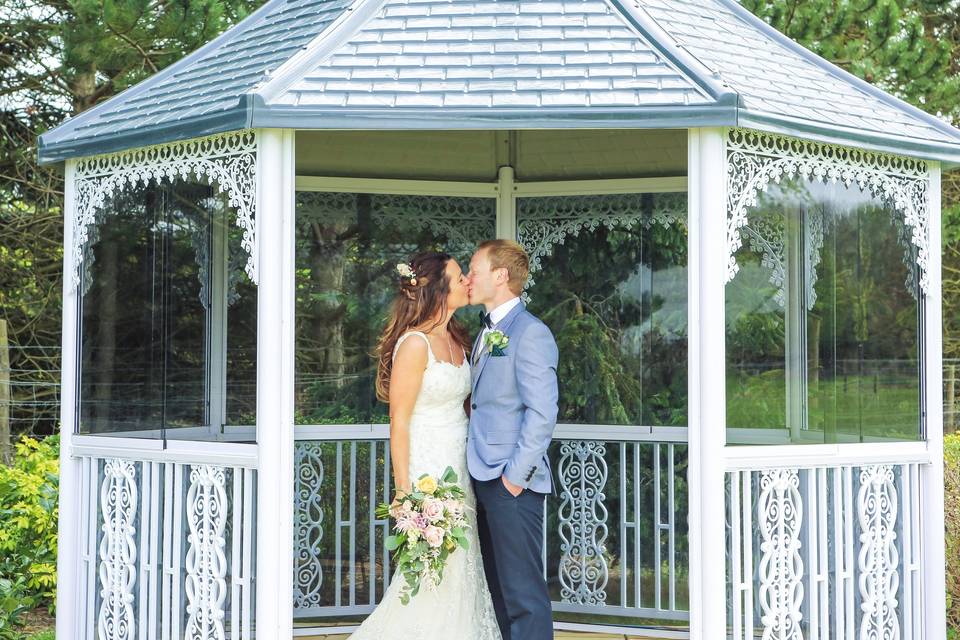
[(461, 607)]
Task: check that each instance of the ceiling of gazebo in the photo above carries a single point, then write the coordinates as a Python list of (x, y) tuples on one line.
[(502, 64)]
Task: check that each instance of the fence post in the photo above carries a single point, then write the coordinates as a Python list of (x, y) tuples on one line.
[(5, 449)]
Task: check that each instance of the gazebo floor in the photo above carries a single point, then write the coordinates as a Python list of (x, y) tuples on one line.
[(559, 635)]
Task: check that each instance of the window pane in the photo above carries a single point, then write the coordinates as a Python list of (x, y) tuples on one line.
[(241, 371), (152, 314), (610, 279), (348, 246), (823, 320)]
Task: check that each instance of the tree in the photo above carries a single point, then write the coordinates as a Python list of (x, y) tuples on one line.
[(910, 48), (57, 59)]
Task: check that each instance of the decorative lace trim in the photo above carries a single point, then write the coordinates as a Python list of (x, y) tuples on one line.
[(755, 159), (228, 162), (546, 221)]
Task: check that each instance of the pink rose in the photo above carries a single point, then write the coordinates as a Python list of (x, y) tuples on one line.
[(433, 509), (421, 521), (433, 535)]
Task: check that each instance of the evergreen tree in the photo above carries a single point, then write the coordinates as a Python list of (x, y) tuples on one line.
[(910, 48), (57, 59)]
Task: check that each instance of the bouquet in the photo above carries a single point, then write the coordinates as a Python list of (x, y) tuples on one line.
[(429, 526)]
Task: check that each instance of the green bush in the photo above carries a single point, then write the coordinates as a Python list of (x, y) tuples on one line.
[(28, 531), (951, 512)]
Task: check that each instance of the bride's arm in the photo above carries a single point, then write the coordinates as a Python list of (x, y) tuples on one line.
[(405, 380)]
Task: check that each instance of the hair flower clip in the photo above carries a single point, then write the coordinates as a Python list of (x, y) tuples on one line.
[(406, 271)]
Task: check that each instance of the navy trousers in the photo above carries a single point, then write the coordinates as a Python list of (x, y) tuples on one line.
[(511, 541)]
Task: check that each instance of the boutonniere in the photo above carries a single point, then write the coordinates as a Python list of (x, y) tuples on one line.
[(496, 342)]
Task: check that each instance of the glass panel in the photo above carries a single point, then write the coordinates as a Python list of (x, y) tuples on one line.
[(347, 248), (147, 312), (241, 391), (823, 320), (609, 276)]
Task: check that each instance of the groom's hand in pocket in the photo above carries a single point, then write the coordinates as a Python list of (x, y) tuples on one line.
[(514, 489)]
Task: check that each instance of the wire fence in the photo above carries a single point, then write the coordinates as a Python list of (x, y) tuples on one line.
[(34, 391), (33, 381)]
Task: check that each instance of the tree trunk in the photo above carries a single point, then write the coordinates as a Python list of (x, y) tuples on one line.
[(326, 318)]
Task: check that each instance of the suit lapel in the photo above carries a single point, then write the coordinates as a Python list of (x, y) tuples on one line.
[(503, 326)]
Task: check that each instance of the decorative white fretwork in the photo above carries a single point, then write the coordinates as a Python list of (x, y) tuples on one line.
[(308, 527), (205, 563), (583, 571), (118, 550), (779, 518), (546, 221), (878, 560), (766, 236), (460, 223), (227, 161), (756, 159)]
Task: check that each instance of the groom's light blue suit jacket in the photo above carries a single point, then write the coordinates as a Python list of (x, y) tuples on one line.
[(514, 404)]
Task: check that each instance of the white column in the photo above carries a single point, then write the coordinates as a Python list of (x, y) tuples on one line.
[(506, 205), (69, 593), (707, 264), (931, 498), (275, 370)]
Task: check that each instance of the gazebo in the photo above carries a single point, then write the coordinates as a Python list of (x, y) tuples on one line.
[(736, 244)]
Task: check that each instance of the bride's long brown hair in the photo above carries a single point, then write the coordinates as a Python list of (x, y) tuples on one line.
[(421, 302)]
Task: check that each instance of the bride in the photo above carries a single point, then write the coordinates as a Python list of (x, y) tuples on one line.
[(424, 374)]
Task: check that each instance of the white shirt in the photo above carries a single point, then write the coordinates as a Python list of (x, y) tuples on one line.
[(496, 316)]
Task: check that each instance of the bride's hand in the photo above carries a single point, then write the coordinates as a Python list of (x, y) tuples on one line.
[(398, 497)]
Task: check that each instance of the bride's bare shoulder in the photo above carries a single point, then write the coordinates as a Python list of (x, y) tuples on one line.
[(410, 353)]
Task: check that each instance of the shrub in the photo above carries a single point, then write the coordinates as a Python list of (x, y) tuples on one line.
[(28, 529), (951, 512)]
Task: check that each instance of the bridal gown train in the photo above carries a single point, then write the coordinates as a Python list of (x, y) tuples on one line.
[(461, 607)]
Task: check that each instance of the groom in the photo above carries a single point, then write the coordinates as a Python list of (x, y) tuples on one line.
[(513, 414)]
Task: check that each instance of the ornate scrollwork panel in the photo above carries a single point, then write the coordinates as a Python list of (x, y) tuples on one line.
[(780, 574), (878, 559), (118, 550), (583, 570), (308, 527), (206, 563)]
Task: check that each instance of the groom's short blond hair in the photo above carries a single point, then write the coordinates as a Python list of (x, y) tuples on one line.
[(509, 255)]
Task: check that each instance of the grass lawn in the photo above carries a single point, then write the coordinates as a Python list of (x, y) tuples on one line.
[(849, 406)]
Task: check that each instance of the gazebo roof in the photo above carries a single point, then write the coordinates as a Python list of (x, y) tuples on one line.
[(503, 64)]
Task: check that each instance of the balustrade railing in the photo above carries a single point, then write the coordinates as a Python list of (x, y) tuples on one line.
[(615, 535)]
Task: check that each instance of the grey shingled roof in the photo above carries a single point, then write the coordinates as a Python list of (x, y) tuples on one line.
[(456, 64), (495, 55), (778, 79), (207, 91)]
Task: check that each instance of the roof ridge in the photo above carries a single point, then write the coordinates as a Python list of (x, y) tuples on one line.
[(841, 74), (314, 52), (675, 53), (241, 27)]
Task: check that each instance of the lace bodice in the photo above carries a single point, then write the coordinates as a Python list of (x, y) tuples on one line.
[(461, 607), (444, 388)]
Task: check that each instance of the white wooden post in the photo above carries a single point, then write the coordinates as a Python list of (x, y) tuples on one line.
[(506, 205), (68, 547), (707, 265), (931, 499), (275, 370)]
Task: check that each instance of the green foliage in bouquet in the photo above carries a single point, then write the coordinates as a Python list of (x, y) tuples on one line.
[(430, 526)]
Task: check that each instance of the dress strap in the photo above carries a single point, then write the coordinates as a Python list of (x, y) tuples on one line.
[(430, 357)]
